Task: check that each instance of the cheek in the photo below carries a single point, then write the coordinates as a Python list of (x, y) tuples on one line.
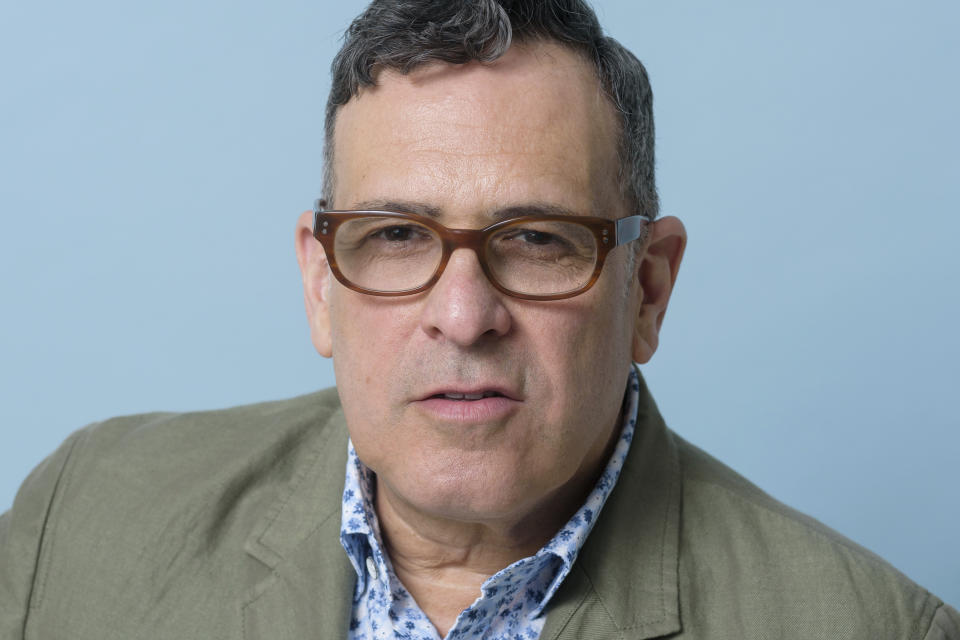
[(592, 334), (367, 331), (363, 354), (583, 353)]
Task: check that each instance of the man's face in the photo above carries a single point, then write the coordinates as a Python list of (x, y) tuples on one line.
[(465, 143)]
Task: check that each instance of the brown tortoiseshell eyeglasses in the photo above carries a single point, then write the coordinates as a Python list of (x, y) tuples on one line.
[(550, 257)]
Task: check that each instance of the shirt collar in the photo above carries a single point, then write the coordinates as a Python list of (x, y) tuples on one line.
[(543, 572), (359, 526)]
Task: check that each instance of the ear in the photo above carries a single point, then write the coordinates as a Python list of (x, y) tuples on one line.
[(316, 284), (657, 273)]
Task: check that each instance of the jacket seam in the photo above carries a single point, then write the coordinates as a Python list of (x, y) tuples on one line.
[(603, 606), (671, 500), (302, 475), (933, 619), (580, 605), (48, 530), (261, 589)]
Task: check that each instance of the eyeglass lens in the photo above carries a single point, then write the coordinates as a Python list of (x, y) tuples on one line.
[(533, 258)]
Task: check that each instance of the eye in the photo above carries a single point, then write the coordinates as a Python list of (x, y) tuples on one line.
[(399, 233), (527, 240), (537, 237), (531, 237), (395, 233)]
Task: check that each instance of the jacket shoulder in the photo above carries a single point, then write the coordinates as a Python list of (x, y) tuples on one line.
[(177, 454), (243, 424), (742, 550), (151, 513), (164, 462)]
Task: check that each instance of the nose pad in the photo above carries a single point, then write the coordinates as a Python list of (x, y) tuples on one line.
[(464, 306)]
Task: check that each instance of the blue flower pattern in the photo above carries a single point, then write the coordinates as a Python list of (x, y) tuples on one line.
[(511, 601)]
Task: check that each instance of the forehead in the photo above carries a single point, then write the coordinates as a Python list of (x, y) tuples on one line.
[(533, 126)]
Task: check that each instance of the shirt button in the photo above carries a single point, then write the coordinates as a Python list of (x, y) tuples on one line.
[(372, 568)]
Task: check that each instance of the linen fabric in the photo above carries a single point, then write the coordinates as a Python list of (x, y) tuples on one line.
[(225, 524)]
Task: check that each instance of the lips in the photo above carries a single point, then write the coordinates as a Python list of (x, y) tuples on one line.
[(477, 405), (473, 393), (467, 396)]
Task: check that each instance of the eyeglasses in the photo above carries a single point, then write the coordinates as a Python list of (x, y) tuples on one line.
[(550, 257)]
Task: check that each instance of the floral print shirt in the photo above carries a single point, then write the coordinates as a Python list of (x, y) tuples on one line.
[(511, 602)]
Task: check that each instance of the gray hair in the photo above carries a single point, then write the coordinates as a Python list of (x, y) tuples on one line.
[(405, 34)]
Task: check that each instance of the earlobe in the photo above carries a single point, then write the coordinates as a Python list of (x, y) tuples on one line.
[(657, 274), (316, 276)]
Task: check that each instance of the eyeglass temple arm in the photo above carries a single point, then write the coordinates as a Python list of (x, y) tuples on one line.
[(630, 228)]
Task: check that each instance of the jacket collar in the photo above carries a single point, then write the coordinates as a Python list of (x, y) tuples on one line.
[(630, 563), (310, 583)]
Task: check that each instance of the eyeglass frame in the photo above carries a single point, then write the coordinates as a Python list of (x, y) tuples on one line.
[(621, 231)]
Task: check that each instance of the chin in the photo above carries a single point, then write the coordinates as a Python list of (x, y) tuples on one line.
[(466, 499)]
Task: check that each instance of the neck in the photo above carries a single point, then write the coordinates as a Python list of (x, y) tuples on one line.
[(434, 543), (443, 562)]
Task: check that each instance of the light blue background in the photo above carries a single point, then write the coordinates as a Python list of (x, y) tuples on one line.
[(154, 157)]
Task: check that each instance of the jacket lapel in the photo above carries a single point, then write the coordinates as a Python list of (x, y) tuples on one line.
[(308, 590), (624, 583)]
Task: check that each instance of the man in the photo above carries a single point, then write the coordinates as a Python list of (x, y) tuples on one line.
[(485, 267)]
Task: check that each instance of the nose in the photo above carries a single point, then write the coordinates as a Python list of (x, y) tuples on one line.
[(463, 307)]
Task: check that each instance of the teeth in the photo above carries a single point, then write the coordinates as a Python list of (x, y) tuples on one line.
[(470, 396)]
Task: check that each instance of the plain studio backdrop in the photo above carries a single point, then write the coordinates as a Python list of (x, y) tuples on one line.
[(154, 157)]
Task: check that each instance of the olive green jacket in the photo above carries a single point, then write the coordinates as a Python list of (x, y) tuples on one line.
[(225, 524)]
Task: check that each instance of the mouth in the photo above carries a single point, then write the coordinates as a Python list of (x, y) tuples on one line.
[(467, 396), (469, 406), (473, 393)]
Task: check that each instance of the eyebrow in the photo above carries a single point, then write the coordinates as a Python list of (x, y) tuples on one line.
[(431, 211), (399, 206)]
